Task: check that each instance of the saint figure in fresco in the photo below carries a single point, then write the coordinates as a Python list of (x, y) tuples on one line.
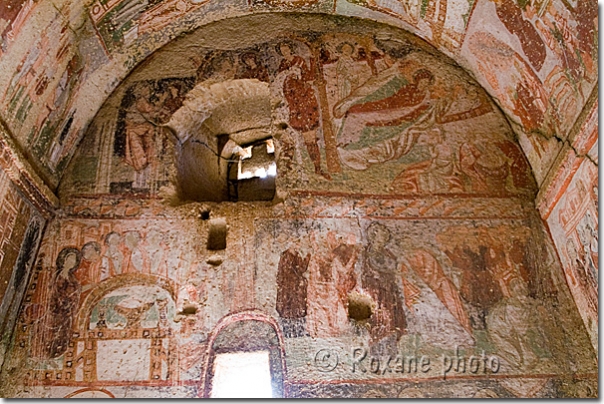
[(292, 288), (379, 279), (511, 15), (331, 278), (145, 106), (63, 304), (113, 256), (157, 253), (478, 285), (304, 115), (140, 128), (88, 273), (345, 258), (346, 70), (135, 259), (252, 68)]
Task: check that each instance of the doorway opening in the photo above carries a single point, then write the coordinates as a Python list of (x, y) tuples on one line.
[(242, 375)]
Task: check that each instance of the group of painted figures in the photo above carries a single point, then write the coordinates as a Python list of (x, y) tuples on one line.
[(443, 296), (354, 106), (461, 289), (78, 271)]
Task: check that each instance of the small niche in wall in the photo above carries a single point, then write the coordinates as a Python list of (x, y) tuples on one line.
[(252, 172), (360, 306)]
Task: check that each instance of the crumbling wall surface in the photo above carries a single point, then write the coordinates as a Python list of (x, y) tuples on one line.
[(569, 204), (21, 227), (402, 257)]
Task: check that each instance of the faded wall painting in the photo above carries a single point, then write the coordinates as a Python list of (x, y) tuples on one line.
[(108, 289), (41, 80), (551, 50), (569, 203), (120, 23), (13, 13), (21, 227), (443, 22), (353, 107), (463, 288), (401, 257), (127, 150), (574, 225), (437, 290)]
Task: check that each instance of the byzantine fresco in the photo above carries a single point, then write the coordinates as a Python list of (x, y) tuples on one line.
[(553, 77), (550, 45), (443, 22), (41, 79), (464, 287), (552, 50), (34, 80), (111, 290), (404, 199), (126, 150), (569, 204), (119, 23), (138, 141), (574, 225), (106, 289), (21, 227), (354, 107), (12, 15)]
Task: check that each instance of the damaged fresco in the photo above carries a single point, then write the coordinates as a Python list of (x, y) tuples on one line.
[(428, 236), (355, 107), (551, 46), (570, 207), (141, 287), (21, 228)]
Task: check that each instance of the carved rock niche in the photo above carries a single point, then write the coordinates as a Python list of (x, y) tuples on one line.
[(215, 121)]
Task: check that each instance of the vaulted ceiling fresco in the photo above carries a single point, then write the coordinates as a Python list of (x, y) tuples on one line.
[(540, 67)]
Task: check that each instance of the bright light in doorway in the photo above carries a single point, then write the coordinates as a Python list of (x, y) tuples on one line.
[(242, 375)]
